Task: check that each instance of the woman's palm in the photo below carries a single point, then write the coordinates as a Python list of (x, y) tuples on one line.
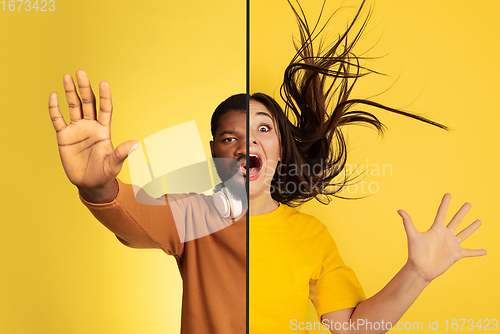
[(434, 251)]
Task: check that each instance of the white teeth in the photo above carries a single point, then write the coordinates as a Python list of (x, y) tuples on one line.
[(257, 170), (254, 155)]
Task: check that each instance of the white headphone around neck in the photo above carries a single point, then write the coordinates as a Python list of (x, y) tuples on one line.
[(226, 203)]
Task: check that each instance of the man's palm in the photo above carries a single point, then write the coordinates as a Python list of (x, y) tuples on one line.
[(85, 147)]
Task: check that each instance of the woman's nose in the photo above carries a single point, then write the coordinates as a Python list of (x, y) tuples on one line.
[(253, 139)]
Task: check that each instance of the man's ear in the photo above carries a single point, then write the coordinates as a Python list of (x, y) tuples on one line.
[(212, 148)]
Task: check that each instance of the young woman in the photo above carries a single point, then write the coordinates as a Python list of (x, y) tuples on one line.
[(298, 154), (293, 258)]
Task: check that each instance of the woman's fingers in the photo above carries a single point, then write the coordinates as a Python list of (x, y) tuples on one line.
[(87, 95), (105, 104), (473, 252), (75, 110), (410, 229), (459, 216), (55, 114), (466, 232), (442, 210)]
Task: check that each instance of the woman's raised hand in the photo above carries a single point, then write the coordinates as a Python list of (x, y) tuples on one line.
[(431, 253), (87, 154)]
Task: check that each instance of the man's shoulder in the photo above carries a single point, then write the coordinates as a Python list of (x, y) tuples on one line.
[(189, 199)]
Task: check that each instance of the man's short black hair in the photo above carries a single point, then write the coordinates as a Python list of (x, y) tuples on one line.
[(236, 102)]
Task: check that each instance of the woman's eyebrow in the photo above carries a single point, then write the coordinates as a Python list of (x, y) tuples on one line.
[(262, 113)]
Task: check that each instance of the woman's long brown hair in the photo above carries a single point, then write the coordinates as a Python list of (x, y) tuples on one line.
[(316, 90)]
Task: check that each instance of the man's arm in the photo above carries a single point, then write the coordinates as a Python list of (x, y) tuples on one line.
[(87, 154), (105, 194), (138, 220), (92, 164)]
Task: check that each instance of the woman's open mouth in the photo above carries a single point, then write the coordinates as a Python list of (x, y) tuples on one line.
[(254, 167)]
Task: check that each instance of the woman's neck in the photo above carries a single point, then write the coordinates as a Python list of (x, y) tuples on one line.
[(262, 204)]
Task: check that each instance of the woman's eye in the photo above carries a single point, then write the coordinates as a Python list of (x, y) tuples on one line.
[(264, 128)]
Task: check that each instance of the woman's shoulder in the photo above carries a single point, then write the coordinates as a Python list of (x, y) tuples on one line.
[(306, 221)]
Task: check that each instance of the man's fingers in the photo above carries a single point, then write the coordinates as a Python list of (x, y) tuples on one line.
[(55, 113), (473, 252), (121, 153), (466, 232), (105, 104), (75, 110), (442, 210), (87, 95), (457, 218)]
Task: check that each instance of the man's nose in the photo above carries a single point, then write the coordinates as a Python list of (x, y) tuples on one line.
[(241, 149)]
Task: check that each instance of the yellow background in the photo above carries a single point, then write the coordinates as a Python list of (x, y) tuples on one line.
[(171, 62), (167, 62), (441, 57)]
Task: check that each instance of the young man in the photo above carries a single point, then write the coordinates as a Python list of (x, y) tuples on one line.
[(213, 267)]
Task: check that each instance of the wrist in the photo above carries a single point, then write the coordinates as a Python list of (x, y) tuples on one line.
[(415, 276), (100, 195)]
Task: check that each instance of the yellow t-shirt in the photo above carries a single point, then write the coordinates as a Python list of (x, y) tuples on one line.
[(294, 258)]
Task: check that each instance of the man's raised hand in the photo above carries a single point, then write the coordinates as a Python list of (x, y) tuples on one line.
[(87, 154)]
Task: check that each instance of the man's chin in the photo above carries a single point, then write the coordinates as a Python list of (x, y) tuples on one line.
[(236, 186), (227, 169)]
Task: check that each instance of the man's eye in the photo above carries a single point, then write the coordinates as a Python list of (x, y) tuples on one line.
[(228, 140)]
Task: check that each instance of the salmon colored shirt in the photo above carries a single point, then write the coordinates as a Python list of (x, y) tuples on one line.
[(213, 267)]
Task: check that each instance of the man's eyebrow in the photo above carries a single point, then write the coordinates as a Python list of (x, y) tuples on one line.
[(227, 132)]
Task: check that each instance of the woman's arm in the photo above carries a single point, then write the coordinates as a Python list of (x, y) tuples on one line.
[(388, 305), (430, 254)]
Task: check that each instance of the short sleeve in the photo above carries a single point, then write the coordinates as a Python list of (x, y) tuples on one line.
[(335, 286)]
